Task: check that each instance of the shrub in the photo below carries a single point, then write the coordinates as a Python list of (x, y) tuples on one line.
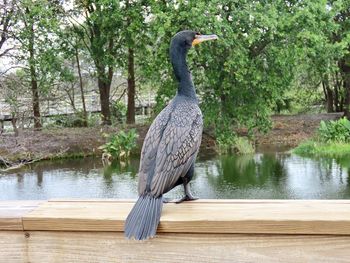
[(119, 145), (231, 143), (69, 121), (118, 111), (243, 146), (334, 131), (313, 148), (333, 140)]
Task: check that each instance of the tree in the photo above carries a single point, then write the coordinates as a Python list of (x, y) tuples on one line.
[(14, 91), (135, 39), (7, 19), (35, 31), (240, 76), (100, 34), (70, 47), (342, 37)]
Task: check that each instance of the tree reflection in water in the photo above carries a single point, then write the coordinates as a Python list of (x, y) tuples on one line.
[(262, 175)]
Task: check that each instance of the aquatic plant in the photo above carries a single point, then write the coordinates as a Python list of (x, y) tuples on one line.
[(119, 145)]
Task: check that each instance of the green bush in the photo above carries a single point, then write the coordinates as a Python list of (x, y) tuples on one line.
[(243, 146), (231, 143), (334, 131), (333, 140), (119, 145), (73, 120), (314, 148), (118, 111)]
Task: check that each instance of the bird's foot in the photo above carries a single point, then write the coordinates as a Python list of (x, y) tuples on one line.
[(186, 198), (166, 200)]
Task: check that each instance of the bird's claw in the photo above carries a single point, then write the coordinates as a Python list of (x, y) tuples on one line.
[(166, 200), (186, 198)]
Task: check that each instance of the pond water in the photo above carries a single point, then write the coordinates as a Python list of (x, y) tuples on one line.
[(268, 175)]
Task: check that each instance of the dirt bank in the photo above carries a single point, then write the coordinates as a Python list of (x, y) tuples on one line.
[(73, 142), (290, 130)]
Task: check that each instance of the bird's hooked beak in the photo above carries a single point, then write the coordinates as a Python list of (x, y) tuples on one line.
[(201, 38)]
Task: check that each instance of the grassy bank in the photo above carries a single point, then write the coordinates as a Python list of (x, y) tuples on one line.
[(332, 140), (314, 148)]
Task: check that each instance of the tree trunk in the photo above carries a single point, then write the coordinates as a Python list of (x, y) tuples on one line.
[(336, 99), (14, 124), (104, 88), (346, 85), (329, 96), (130, 119), (81, 88), (337, 94), (36, 105), (34, 83), (347, 97)]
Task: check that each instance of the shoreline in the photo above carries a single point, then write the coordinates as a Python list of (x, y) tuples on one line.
[(60, 143)]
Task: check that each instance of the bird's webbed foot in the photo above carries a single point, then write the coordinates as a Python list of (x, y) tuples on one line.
[(187, 197), (166, 200)]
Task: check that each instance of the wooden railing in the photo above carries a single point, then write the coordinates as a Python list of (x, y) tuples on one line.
[(199, 231)]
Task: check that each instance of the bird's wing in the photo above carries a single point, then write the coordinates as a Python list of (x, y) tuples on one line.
[(178, 147), (150, 147)]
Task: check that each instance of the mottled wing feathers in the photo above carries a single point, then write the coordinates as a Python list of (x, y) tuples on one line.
[(176, 147), (150, 147)]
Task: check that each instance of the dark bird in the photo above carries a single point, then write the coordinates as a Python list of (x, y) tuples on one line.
[(171, 145)]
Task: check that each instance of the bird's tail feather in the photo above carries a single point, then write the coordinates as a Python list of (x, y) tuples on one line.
[(143, 220)]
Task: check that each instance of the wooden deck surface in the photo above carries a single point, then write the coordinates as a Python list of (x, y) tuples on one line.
[(12, 212), (204, 216), (200, 231)]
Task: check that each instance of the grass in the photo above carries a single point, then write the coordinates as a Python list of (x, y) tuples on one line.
[(243, 146), (314, 148), (232, 144)]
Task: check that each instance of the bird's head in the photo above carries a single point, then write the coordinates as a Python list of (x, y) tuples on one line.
[(188, 38)]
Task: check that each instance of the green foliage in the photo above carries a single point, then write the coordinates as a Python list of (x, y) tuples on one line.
[(333, 140), (303, 101), (93, 119), (242, 76), (68, 121), (37, 33), (226, 142), (120, 145), (73, 120), (334, 131), (260, 64), (229, 143), (243, 146), (315, 148), (118, 111)]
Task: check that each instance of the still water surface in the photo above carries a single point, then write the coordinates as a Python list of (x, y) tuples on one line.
[(274, 175)]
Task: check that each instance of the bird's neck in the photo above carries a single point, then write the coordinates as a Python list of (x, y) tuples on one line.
[(182, 73)]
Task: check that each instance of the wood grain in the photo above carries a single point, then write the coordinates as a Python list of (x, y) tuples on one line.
[(234, 216), (11, 213), (201, 201), (107, 247)]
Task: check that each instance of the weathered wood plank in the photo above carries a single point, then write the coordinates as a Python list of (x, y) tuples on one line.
[(107, 247), (11, 213), (256, 217)]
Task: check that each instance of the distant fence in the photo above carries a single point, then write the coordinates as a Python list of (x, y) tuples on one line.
[(49, 109)]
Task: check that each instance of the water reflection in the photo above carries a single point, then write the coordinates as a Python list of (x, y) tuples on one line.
[(262, 175)]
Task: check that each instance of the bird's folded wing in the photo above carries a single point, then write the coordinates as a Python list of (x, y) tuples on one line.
[(177, 148), (150, 147)]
